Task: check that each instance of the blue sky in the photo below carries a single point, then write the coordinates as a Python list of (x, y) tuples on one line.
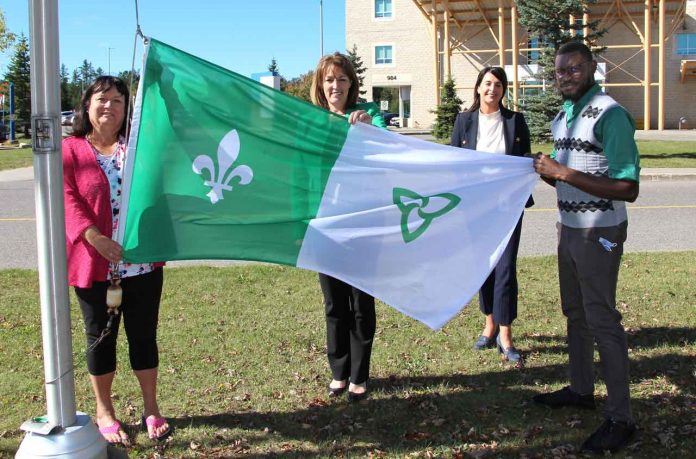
[(240, 35)]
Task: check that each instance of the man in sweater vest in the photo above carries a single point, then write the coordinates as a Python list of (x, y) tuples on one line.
[(595, 168)]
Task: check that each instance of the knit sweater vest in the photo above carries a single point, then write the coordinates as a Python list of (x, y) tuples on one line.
[(578, 148)]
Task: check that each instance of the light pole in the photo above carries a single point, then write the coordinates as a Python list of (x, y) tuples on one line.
[(321, 28), (110, 60), (62, 433)]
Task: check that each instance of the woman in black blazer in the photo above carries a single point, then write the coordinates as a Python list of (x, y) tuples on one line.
[(490, 127)]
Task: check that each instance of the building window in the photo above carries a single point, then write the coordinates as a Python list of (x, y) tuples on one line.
[(686, 43), (383, 8), (383, 55), (534, 54), (579, 28)]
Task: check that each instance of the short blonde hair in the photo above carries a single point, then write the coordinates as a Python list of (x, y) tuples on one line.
[(341, 61)]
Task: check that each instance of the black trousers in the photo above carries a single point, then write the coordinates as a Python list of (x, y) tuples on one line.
[(498, 295), (140, 311), (350, 329)]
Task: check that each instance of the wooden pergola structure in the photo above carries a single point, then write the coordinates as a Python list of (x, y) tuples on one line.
[(456, 22)]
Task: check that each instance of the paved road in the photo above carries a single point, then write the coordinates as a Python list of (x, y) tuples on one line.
[(662, 219)]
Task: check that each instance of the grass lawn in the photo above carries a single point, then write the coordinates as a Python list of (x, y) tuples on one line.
[(652, 154), (243, 371), (15, 158)]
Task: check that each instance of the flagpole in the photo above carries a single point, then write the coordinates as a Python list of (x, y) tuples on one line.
[(61, 432), (321, 29)]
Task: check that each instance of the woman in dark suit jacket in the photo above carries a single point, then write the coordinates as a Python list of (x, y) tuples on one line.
[(490, 127)]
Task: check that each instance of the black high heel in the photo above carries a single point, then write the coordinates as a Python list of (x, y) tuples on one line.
[(354, 397), (333, 393), (337, 391)]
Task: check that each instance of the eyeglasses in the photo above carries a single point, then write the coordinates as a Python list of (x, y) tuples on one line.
[(572, 70)]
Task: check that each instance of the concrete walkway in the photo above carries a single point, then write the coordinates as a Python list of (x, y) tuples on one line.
[(650, 173)]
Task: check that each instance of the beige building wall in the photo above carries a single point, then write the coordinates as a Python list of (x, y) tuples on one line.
[(410, 35)]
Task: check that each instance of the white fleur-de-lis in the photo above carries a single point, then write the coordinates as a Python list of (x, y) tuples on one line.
[(227, 153)]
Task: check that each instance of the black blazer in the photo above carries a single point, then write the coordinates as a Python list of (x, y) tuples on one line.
[(515, 130)]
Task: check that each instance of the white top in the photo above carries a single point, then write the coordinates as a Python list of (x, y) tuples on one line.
[(490, 137)]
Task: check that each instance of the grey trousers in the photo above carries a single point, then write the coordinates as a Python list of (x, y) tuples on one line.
[(588, 270)]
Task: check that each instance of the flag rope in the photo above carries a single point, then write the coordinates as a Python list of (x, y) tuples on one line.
[(138, 33)]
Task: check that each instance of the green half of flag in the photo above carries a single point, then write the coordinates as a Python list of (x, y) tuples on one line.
[(222, 164)]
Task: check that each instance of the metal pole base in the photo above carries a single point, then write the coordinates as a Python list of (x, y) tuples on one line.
[(80, 440)]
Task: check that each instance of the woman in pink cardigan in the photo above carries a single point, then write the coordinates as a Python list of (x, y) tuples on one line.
[(92, 170)]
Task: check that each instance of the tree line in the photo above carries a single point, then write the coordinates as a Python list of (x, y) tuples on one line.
[(72, 84), (301, 86)]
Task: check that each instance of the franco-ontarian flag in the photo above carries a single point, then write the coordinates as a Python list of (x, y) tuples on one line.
[(222, 167)]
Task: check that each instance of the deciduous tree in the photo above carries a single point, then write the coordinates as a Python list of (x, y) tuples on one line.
[(300, 87)]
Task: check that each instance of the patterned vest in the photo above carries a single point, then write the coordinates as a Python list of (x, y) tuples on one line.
[(578, 148)]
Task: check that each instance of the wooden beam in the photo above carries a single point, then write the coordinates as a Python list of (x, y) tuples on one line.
[(585, 28), (515, 56), (661, 68), (485, 18), (436, 54), (501, 34), (448, 9), (446, 44), (423, 12), (630, 18), (647, 64)]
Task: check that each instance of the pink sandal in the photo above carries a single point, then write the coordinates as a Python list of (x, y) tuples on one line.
[(114, 428), (155, 423)]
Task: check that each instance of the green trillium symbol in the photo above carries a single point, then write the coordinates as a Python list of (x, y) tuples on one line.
[(428, 208)]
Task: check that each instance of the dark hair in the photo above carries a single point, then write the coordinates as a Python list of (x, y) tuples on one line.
[(576, 47), (325, 63), (81, 124), (497, 72)]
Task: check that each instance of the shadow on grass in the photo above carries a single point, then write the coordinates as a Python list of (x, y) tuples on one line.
[(687, 155), (482, 411)]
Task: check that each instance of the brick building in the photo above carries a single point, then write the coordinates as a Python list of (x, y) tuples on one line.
[(409, 47)]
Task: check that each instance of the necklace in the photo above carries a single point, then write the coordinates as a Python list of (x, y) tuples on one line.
[(101, 148)]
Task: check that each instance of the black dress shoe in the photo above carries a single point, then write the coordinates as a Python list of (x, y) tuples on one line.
[(565, 397), (354, 397), (337, 392), (611, 436)]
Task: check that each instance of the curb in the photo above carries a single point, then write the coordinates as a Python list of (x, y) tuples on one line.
[(656, 177), (652, 175)]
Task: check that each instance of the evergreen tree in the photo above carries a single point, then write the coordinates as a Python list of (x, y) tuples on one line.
[(273, 68), (87, 73), (359, 70), (447, 111), (18, 73), (132, 85), (66, 90), (548, 21)]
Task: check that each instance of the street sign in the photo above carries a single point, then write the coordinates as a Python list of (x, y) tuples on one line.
[(384, 105)]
